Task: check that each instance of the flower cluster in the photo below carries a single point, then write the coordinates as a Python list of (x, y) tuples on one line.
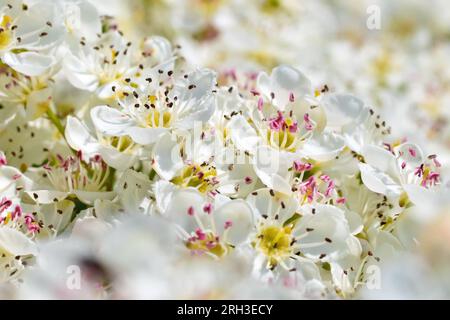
[(392, 54), (157, 179)]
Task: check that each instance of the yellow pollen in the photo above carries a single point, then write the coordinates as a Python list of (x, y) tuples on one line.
[(275, 243), (152, 98), (197, 177), (113, 54), (209, 244), (5, 33)]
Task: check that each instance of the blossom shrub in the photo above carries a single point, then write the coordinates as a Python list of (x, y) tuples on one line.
[(155, 178)]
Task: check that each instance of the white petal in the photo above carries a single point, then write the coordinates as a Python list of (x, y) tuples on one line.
[(160, 48), (281, 184), (327, 222), (28, 63), (378, 181), (195, 103), (163, 191), (78, 73), (379, 158), (47, 196), (16, 243), (272, 166), (240, 173), (204, 81), (107, 210), (263, 203), (424, 198), (323, 147), (242, 134), (386, 245), (38, 102), (239, 213), (182, 201), (166, 156), (105, 92), (89, 20), (89, 197), (354, 221), (50, 215), (32, 21), (9, 181), (90, 228), (110, 121), (411, 154), (342, 109), (79, 138), (264, 84), (341, 278), (199, 110), (283, 81), (116, 159), (132, 190), (145, 136)]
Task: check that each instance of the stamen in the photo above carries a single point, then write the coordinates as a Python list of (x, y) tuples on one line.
[(291, 97), (207, 208)]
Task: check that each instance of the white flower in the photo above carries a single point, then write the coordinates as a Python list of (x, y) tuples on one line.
[(283, 83), (23, 95), (196, 162), (391, 172), (28, 32), (281, 131), (133, 190), (157, 50), (27, 143), (292, 236), (72, 176), (17, 227), (118, 152), (207, 225), (97, 67), (145, 115), (358, 123), (109, 64), (81, 19), (158, 178)]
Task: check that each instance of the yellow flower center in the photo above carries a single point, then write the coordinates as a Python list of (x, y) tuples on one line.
[(199, 177), (275, 243), (283, 139), (208, 244), (122, 144), (158, 119)]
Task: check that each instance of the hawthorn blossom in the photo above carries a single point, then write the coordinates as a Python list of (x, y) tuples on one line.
[(144, 115), (188, 162), (28, 33), (290, 125)]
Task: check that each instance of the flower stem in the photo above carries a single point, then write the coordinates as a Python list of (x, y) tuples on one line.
[(55, 120)]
